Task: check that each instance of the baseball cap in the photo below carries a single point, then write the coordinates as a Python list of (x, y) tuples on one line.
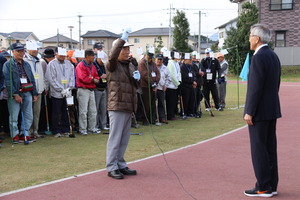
[(150, 55), (220, 55), (5, 54), (49, 53), (125, 45), (207, 50), (17, 46), (159, 56), (98, 45)]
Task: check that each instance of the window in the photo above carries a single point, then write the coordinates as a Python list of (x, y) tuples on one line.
[(221, 34), (280, 39), (136, 40), (91, 42), (281, 4)]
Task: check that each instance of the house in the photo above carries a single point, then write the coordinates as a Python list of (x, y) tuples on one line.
[(105, 37), (142, 38), (149, 37), (205, 43), (282, 18), (16, 36), (222, 31), (60, 40)]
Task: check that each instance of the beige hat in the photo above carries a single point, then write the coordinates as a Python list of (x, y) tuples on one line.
[(220, 55), (125, 45)]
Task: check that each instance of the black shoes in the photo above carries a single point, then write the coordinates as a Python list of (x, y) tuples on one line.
[(127, 171), (116, 174), (257, 193), (119, 173)]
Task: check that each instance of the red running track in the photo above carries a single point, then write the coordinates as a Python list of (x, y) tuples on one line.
[(217, 169)]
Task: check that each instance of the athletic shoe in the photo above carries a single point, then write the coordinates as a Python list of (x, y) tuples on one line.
[(275, 193), (207, 109), (29, 139), (57, 135), (16, 139), (219, 109), (256, 193), (95, 131), (36, 135), (83, 133), (66, 134), (105, 129)]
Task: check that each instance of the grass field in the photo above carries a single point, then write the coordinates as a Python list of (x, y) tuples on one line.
[(51, 158)]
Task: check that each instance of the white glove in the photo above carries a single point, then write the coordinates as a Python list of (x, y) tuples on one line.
[(64, 92), (126, 34), (136, 75), (69, 92)]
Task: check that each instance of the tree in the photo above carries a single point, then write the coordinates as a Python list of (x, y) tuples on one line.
[(181, 32), (239, 37), (159, 42)]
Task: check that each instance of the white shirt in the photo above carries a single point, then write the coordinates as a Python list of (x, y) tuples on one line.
[(258, 48)]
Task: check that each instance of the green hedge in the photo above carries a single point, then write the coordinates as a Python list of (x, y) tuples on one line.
[(290, 70)]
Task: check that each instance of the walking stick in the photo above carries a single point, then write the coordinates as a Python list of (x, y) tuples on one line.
[(48, 132)]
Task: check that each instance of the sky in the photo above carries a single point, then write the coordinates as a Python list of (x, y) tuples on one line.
[(46, 18)]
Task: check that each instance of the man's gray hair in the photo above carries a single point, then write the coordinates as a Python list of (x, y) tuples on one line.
[(262, 31)]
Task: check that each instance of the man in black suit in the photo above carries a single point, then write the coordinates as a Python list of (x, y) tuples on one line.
[(262, 109)]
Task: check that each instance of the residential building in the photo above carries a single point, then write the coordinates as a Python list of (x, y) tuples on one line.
[(282, 18), (60, 40), (16, 36), (205, 43), (105, 37), (149, 37), (222, 31)]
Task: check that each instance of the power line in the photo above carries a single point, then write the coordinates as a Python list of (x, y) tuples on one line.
[(112, 15)]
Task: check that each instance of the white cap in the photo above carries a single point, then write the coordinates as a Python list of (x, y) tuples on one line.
[(125, 45), (207, 50)]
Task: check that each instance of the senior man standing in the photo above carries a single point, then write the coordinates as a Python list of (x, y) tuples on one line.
[(262, 109), (21, 87), (122, 102)]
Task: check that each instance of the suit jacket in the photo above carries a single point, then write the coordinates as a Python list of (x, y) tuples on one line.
[(262, 100)]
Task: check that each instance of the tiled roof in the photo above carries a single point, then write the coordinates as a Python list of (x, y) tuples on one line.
[(100, 33), (151, 32), (61, 38)]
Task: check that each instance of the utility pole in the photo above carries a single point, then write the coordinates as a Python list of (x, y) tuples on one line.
[(79, 16), (199, 36), (71, 27), (170, 28), (57, 37)]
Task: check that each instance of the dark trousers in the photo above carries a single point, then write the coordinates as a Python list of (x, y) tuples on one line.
[(188, 98), (171, 102), (211, 87), (43, 118), (161, 104), (60, 118), (145, 96), (199, 98), (264, 153), (4, 116)]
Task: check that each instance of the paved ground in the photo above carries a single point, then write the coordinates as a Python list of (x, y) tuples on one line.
[(218, 169)]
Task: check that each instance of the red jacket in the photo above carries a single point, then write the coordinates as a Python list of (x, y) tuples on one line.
[(85, 74)]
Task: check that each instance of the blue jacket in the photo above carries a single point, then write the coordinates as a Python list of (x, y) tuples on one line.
[(16, 82), (2, 61)]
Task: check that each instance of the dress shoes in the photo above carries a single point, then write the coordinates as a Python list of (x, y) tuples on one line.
[(164, 121), (127, 171), (116, 174)]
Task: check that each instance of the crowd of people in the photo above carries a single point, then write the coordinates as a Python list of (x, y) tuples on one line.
[(73, 93), (86, 93)]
